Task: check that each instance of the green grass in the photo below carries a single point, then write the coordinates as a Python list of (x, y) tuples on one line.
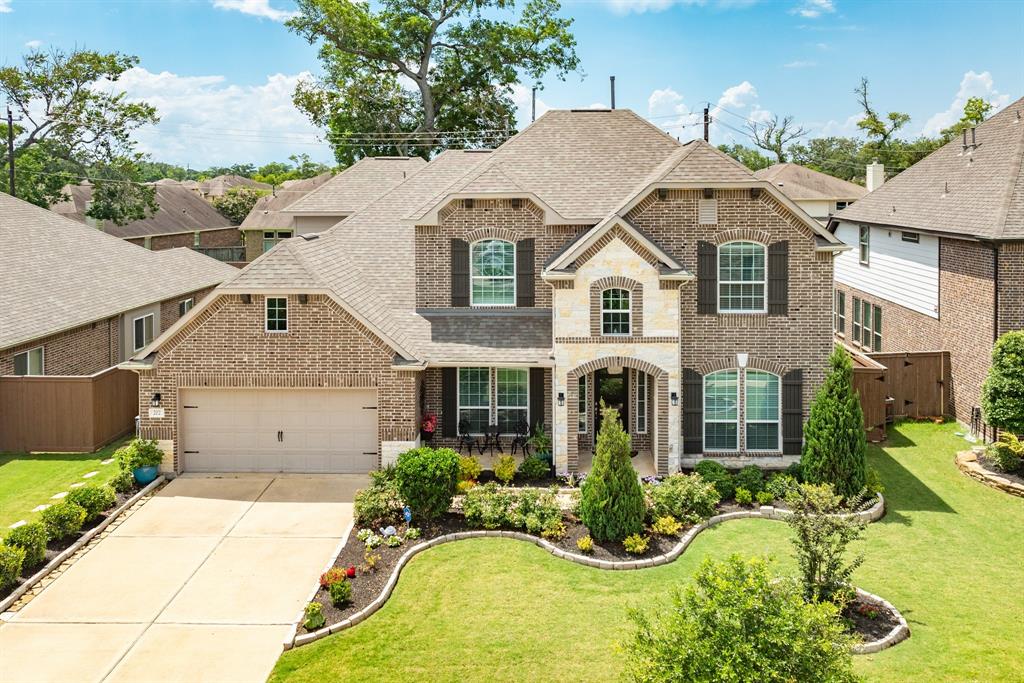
[(29, 479), (949, 554)]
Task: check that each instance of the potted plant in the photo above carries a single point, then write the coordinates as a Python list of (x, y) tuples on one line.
[(142, 458), (540, 443), (428, 427)]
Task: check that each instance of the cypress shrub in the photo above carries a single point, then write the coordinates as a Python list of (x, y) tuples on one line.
[(1002, 396), (612, 500), (835, 445)]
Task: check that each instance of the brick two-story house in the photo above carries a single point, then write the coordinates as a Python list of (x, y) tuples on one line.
[(591, 257)]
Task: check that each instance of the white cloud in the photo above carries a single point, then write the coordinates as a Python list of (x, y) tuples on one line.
[(206, 121), (257, 8), (34, 44), (812, 9), (667, 109), (5, 6), (521, 96), (642, 6), (799, 64), (971, 85), (845, 128), (730, 115)]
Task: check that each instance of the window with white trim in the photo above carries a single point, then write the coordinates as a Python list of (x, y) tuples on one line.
[(762, 403), (142, 331), (277, 314), (31, 362), (475, 398), (615, 312), (581, 427), (840, 312), (865, 244), (184, 306), (641, 402), (856, 320), (492, 273), (272, 237), (513, 400), (742, 277), (721, 411), (871, 334)]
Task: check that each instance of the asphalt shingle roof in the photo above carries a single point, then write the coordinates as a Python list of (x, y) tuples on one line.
[(358, 185), (267, 211), (978, 191), (801, 183), (59, 274)]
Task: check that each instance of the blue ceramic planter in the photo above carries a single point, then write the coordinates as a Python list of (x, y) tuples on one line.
[(144, 475)]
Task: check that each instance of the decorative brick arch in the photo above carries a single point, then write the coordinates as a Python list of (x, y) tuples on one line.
[(659, 440), (753, 363), (743, 235), (493, 234), (636, 303)]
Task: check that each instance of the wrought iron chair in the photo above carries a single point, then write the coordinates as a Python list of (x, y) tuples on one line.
[(492, 438), (522, 438), (466, 439)]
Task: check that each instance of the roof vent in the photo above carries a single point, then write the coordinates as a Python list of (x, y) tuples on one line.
[(310, 236)]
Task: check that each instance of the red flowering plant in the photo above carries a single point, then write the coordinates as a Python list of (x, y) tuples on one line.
[(332, 576), (429, 424)]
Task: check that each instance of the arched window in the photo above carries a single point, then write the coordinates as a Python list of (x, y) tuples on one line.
[(742, 277), (721, 410), (615, 311), (762, 404), (493, 273)]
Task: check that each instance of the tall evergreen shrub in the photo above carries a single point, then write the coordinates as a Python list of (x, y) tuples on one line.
[(612, 500), (835, 445), (1002, 396)]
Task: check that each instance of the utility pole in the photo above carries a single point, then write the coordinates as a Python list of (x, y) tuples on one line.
[(613, 91), (10, 152), (533, 105), (707, 122)]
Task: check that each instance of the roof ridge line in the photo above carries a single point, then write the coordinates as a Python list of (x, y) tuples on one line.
[(1018, 165)]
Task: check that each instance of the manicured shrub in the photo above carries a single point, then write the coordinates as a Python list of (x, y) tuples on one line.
[(122, 482), (764, 498), (688, 498), (533, 468), (1007, 454), (341, 593), (412, 533), (393, 541), (469, 468), (873, 483), (612, 501), (738, 622), (62, 520), (744, 497), (314, 616), (822, 533), (464, 486), (779, 485), (426, 480), (535, 510), (379, 504), (585, 544), (332, 576), (138, 453), (635, 544), (666, 526), (505, 469), (835, 446), (1002, 395), (493, 507), (93, 499), (750, 478), (795, 470), (32, 539), (11, 560), (554, 531), (715, 473)]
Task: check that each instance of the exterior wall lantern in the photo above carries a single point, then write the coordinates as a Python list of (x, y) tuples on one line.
[(561, 398), (155, 401), (674, 397)]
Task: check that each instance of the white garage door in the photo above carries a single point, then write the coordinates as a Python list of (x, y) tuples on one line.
[(279, 430)]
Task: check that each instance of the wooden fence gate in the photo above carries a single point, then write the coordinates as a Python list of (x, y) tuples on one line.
[(908, 384)]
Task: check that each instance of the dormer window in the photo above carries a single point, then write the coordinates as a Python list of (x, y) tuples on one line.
[(493, 273), (615, 312)]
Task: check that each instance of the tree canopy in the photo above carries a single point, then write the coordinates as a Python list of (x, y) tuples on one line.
[(750, 158), (775, 135)]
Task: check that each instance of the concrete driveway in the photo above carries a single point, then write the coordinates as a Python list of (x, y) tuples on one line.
[(199, 584)]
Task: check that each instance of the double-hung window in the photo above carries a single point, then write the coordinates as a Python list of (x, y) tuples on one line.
[(277, 314), (856, 320), (741, 278), (184, 306), (475, 399), (581, 426), (30, 362), (840, 312), (641, 402), (865, 244), (615, 318), (513, 398), (871, 333), (142, 331), (721, 411), (272, 237), (493, 273), (762, 409)]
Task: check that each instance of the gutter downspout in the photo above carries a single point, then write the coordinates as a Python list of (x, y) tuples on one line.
[(995, 287)]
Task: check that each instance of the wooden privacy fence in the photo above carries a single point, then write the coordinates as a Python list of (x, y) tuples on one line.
[(908, 384), (67, 413)]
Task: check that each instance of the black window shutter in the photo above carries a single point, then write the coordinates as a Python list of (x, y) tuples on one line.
[(460, 273), (537, 394), (525, 277), (707, 278), (450, 402), (792, 412), (778, 278), (693, 411)]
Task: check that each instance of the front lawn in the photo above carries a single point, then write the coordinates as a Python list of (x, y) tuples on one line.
[(948, 554), (28, 480)]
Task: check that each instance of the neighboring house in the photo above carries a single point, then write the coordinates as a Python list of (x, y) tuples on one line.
[(218, 186), (817, 193), (182, 220), (939, 256), (266, 225), (590, 258), (76, 301)]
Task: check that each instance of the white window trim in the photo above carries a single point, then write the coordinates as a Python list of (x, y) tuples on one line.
[(839, 312), (705, 420), (135, 342), (491, 386), (763, 283), (641, 397), (187, 304), (266, 315), (864, 244), (746, 421), (28, 364), (498, 407), (515, 269), (628, 311), (584, 415)]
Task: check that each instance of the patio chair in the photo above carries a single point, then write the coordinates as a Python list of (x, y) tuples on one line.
[(492, 438), (468, 440), (522, 438)]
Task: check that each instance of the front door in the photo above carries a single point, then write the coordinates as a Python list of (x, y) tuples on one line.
[(613, 389)]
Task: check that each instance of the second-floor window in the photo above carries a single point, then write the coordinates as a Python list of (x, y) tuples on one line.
[(272, 237), (142, 331), (277, 314), (30, 362), (742, 278), (865, 244), (493, 273), (840, 304), (615, 311), (184, 306)]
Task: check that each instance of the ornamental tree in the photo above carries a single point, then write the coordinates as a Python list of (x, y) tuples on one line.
[(1002, 396), (612, 500)]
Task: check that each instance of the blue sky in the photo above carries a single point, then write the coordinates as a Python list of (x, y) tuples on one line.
[(221, 72)]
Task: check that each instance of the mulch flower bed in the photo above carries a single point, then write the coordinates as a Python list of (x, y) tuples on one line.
[(869, 621), (990, 465)]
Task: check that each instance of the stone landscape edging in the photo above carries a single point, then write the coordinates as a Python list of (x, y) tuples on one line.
[(899, 632), (872, 514), (967, 462), (76, 546)]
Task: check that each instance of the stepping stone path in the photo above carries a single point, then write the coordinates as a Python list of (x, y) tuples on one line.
[(20, 522), (107, 461), (90, 474), (39, 508), (77, 484), (58, 496)]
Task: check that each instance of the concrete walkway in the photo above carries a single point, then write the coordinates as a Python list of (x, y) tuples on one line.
[(200, 584)]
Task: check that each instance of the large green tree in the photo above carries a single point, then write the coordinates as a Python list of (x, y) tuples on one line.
[(750, 158), (775, 135), (400, 75), (72, 123), (837, 156), (976, 110)]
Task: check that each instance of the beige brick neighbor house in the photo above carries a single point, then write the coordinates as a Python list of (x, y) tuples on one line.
[(590, 258)]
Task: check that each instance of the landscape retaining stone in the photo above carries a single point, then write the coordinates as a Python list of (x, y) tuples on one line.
[(967, 462)]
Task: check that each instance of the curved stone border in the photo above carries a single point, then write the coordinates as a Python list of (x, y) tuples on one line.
[(967, 462), (874, 513), (899, 632), (76, 546)]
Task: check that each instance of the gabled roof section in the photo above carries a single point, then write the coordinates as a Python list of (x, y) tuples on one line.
[(976, 192), (357, 186), (267, 212), (613, 223), (219, 185), (801, 183), (700, 162), (279, 268)]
